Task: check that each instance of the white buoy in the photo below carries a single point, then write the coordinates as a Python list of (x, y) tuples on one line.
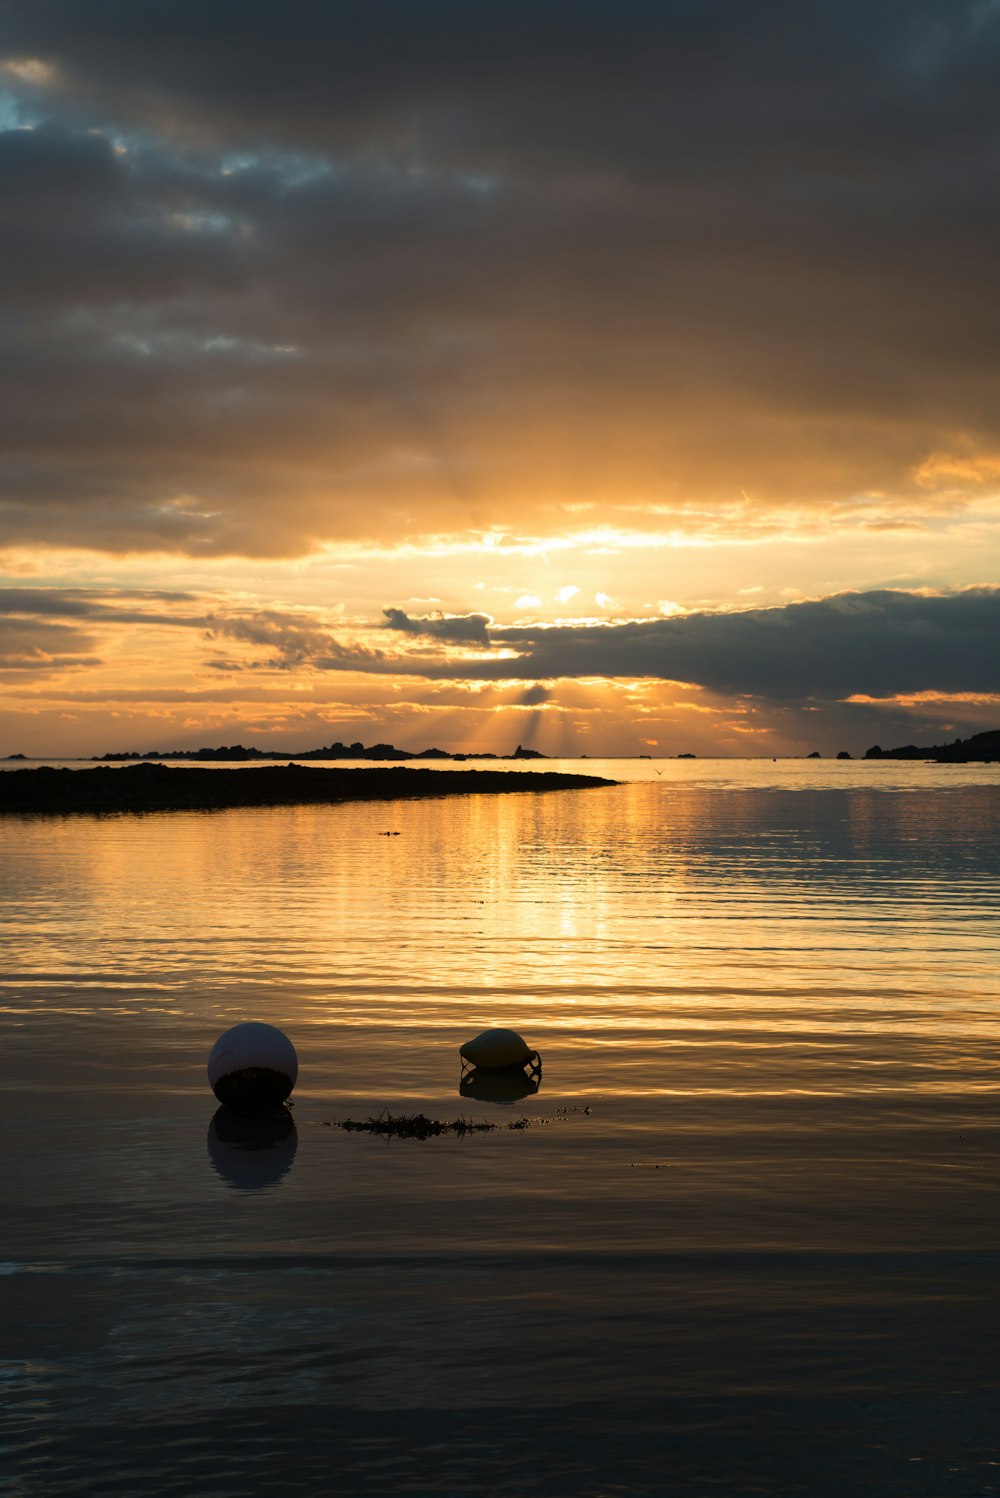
[(497, 1050), (252, 1066)]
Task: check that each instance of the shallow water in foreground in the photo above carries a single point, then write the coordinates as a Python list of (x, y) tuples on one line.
[(764, 1261)]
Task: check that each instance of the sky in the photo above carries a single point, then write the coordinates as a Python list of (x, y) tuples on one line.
[(615, 377)]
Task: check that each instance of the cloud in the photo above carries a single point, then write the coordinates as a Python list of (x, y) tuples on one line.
[(879, 644), (882, 645), (293, 643), (464, 629), (845, 671), (37, 637), (97, 605), (275, 276), (39, 647)]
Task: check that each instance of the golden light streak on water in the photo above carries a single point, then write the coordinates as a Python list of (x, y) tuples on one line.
[(774, 989)]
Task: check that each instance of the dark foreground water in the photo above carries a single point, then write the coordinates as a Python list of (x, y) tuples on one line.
[(748, 1243)]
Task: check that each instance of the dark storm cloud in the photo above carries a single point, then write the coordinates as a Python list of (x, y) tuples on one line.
[(466, 629), (272, 274), (878, 644), (309, 70)]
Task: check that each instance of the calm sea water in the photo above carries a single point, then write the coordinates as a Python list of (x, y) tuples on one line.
[(748, 1243)]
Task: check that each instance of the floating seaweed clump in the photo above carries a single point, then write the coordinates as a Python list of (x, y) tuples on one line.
[(419, 1126)]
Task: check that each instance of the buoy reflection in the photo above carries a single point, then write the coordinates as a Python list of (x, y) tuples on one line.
[(252, 1150), (494, 1086)]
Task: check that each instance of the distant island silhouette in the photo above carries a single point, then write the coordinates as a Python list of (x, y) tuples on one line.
[(981, 748), (236, 752), (147, 787)]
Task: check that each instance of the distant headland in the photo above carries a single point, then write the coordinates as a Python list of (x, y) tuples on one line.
[(147, 787), (233, 753), (981, 748)]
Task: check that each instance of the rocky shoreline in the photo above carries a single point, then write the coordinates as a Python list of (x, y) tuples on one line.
[(981, 748)]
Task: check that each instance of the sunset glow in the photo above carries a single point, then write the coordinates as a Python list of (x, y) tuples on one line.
[(468, 408)]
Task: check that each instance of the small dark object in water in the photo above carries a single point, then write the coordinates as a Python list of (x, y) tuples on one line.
[(499, 1067), (419, 1126), (499, 1050)]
